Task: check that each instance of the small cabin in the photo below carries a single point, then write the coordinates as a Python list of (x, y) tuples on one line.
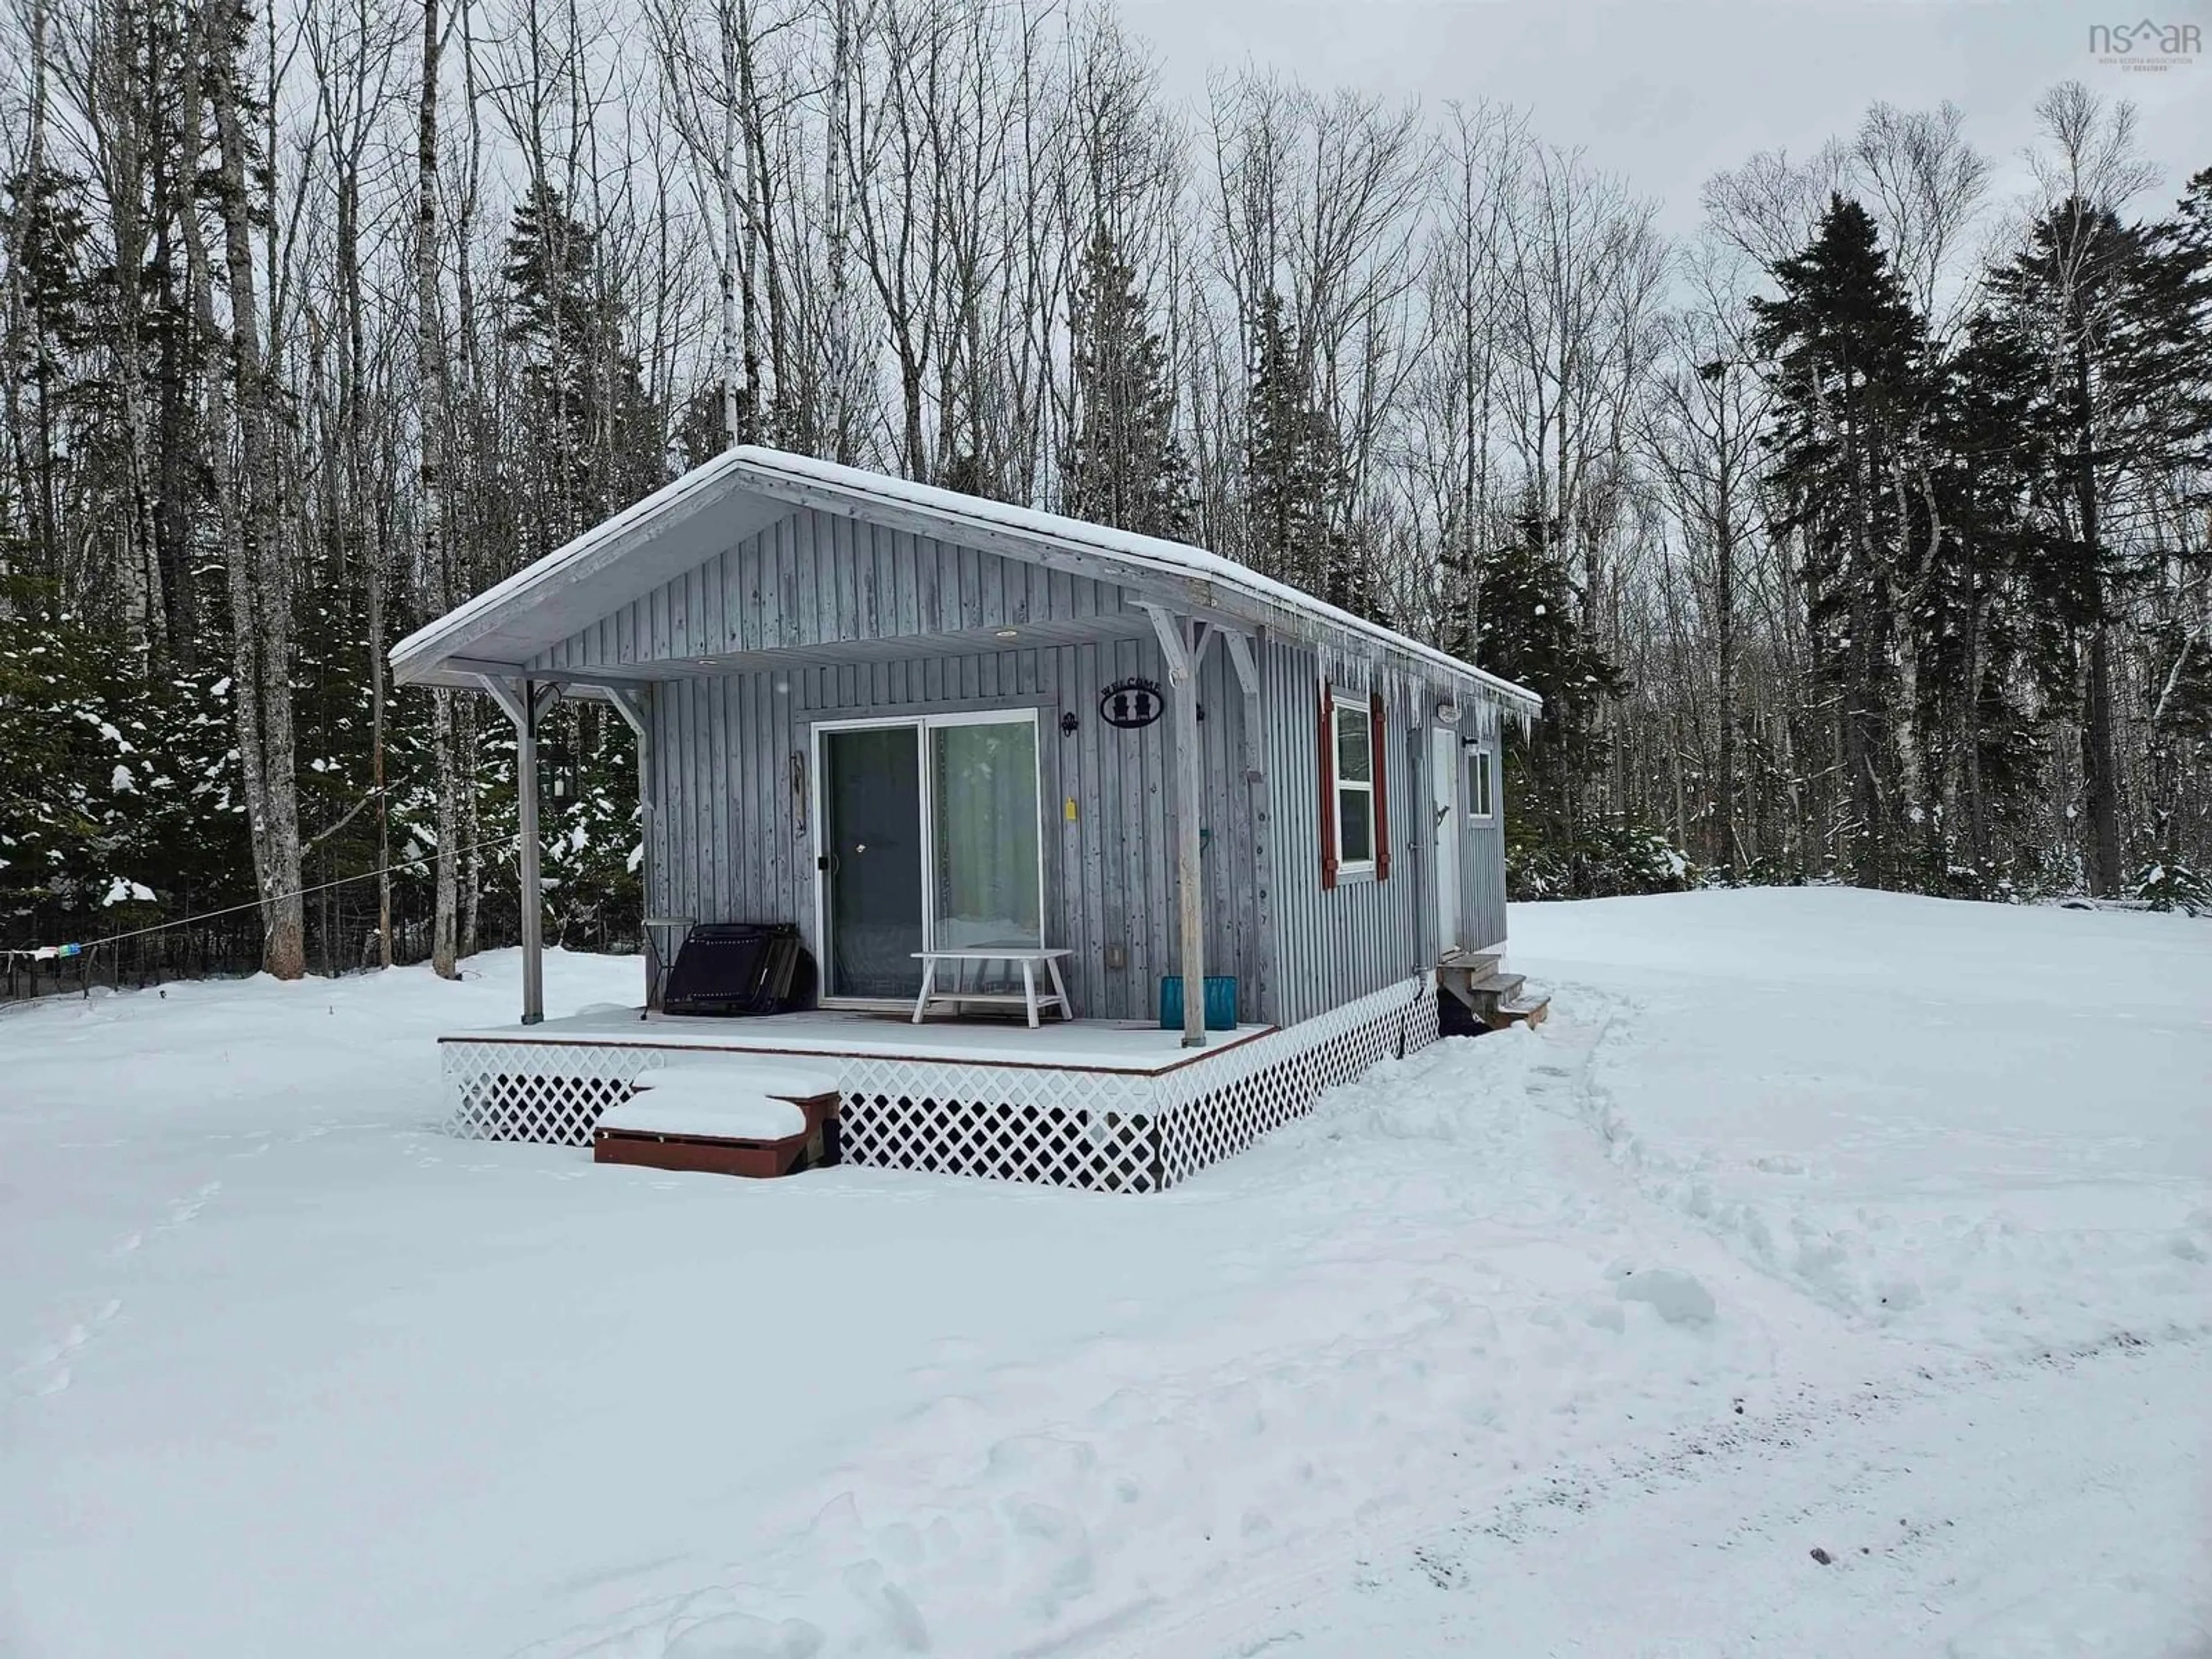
[(1015, 780)]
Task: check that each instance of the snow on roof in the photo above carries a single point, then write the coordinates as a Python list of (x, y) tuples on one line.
[(802, 480), (1150, 553)]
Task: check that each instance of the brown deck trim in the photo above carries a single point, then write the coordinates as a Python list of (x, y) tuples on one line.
[(942, 1059)]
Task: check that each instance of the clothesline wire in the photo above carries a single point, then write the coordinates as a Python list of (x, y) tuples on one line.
[(256, 904)]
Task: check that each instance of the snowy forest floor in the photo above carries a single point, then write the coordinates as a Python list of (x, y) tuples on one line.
[(1813, 1220)]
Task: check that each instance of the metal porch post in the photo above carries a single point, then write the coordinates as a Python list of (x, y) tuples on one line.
[(1182, 644)]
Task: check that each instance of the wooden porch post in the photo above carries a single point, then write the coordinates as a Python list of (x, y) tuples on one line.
[(635, 706), (534, 898), (1183, 644), (1243, 655), (524, 701)]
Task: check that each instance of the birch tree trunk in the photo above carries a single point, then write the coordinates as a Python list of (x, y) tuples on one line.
[(269, 614), (436, 566), (255, 578)]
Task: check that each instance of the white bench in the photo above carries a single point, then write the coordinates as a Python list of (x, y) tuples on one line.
[(1029, 961)]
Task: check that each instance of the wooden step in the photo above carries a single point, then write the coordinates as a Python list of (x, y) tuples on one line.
[(1469, 961), (1478, 981), (1499, 986), (1459, 972)]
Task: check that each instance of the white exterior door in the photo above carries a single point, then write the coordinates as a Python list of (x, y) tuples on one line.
[(1444, 785)]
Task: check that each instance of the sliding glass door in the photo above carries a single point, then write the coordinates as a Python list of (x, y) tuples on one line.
[(983, 830), (930, 836), (871, 861)]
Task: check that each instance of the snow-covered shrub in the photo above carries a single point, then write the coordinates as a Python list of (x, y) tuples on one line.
[(117, 778), (1613, 856), (2175, 887)]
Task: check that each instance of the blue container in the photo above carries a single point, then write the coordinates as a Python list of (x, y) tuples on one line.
[(1221, 1002)]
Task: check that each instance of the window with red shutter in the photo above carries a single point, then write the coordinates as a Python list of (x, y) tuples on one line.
[(1350, 758), (1381, 794), (1327, 746)]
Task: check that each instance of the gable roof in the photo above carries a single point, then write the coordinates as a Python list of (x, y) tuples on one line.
[(746, 489)]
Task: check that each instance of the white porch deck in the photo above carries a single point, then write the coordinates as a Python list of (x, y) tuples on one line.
[(1096, 1104), (1086, 1045)]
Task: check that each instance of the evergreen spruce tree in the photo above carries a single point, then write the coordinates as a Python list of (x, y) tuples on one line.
[(2178, 715), (590, 428), (1294, 475), (1530, 632), (1849, 354), (1977, 636), (42, 219), (1125, 464), (118, 785), (2114, 318)]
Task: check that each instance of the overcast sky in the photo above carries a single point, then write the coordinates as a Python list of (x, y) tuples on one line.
[(1667, 91)]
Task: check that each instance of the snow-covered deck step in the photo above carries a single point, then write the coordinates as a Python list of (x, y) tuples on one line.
[(706, 1104), (696, 1086), (720, 1120)]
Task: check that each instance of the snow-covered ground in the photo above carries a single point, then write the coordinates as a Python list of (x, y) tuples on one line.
[(1813, 1220)]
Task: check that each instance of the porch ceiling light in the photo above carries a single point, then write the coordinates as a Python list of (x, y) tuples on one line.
[(1009, 634)]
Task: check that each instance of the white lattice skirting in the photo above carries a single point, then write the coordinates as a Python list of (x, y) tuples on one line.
[(1114, 1131)]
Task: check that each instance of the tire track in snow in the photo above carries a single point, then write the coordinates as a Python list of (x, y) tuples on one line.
[(1927, 1496), (1491, 1543)]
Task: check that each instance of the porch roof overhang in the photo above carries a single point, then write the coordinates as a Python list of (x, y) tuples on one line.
[(501, 632)]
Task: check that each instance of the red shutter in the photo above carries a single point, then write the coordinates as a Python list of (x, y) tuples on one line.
[(1379, 769), (1328, 791)]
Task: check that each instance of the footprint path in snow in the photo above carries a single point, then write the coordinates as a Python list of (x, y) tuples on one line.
[(48, 1368), (1327, 1401), (1908, 1264), (1817, 1459), (48, 1371)]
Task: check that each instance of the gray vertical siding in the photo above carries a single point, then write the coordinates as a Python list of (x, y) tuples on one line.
[(819, 578), (731, 834), (1338, 944), (732, 840), (1482, 850), (1230, 859)]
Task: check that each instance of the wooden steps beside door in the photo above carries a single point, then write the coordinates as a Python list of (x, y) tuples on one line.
[(1478, 980)]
